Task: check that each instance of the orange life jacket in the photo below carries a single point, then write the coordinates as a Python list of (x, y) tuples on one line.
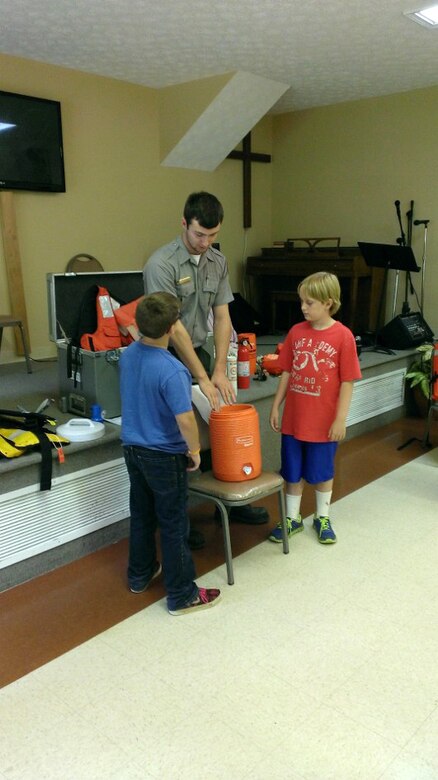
[(107, 334), (125, 318)]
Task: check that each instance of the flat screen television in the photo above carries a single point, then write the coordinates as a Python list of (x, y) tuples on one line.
[(31, 152)]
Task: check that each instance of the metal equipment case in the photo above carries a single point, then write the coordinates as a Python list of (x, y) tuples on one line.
[(95, 377)]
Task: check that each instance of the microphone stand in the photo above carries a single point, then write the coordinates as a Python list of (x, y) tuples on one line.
[(409, 287), (401, 241), (424, 442), (424, 222)]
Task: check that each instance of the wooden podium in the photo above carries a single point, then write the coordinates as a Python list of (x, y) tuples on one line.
[(281, 267)]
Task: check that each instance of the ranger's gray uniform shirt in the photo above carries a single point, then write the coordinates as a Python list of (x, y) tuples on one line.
[(199, 288)]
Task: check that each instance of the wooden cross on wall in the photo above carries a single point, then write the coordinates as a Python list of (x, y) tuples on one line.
[(247, 157)]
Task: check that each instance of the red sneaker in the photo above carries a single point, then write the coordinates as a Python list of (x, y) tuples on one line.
[(207, 597)]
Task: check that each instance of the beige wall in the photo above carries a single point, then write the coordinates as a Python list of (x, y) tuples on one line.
[(337, 170), (120, 203)]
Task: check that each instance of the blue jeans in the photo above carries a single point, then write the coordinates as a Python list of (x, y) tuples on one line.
[(158, 497)]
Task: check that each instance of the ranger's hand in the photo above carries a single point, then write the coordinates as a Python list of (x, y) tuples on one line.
[(210, 392), (223, 384)]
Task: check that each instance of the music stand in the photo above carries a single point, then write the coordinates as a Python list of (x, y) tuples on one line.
[(391, 257)]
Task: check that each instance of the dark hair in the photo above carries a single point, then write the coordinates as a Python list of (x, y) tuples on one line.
[(205, 208), (156, 313)]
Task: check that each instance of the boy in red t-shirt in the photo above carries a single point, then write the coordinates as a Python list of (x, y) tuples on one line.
[(319, 362)]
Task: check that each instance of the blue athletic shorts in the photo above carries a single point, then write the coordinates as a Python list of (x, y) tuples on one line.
[(309, 460)]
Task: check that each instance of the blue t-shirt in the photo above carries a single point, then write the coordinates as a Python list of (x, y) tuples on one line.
[(154, 387)]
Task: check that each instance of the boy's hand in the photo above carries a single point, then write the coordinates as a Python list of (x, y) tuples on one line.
[(273, 420), (337, 431), (194, 461)]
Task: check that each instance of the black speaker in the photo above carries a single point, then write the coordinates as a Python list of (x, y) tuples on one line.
[(405, 331)]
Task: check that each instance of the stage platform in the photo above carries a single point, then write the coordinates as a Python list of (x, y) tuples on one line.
[(87, 507)]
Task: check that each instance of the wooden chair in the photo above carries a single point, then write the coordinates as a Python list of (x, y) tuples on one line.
[(8, 321), (228, 494), (83, 263)]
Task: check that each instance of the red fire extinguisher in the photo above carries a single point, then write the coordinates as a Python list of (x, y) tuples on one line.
[(243, 369), (435, 373)]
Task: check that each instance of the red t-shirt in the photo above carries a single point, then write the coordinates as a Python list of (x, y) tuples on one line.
[(318, 361)]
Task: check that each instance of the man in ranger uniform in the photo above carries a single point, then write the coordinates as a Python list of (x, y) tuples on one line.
[(197, 274)]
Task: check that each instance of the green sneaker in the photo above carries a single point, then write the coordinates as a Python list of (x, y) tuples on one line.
[(293, 527), (323, 528)]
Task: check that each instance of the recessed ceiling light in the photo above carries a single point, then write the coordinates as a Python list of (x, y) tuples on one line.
[(428, 17)]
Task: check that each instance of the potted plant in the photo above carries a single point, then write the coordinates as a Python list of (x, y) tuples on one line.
[(419, 376)]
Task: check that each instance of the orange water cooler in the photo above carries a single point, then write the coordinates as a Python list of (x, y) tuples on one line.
[(235, 443)]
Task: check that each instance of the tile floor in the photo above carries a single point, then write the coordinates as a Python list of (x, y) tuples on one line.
[(318, 665)]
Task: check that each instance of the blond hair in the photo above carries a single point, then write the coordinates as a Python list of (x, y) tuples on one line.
[(322, 286)]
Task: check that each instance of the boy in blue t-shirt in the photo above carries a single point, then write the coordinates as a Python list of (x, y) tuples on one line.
[(161, 444)]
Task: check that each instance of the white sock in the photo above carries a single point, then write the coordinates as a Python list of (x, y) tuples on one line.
[(293, 506), (323, 503)]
